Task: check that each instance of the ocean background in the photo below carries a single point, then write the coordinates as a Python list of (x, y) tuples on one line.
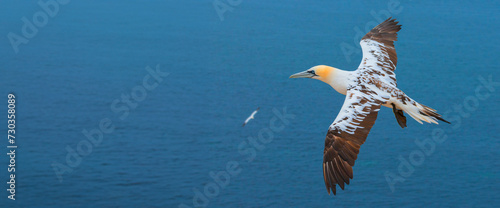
[(162, 152)]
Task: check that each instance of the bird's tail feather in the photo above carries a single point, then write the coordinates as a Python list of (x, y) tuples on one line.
[(424, 113)]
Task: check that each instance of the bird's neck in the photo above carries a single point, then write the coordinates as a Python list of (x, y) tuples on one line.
[(339, 80)]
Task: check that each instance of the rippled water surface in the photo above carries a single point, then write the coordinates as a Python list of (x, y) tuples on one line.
[(162, 150)]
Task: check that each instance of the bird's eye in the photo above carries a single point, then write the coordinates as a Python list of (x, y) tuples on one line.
[(312, 72)]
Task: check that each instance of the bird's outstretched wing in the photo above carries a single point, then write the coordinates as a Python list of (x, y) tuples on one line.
[(246, 121), (379, 55), (347, 133), (255, 112)]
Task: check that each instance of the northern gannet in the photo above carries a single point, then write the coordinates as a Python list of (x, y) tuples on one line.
[(372, 85), (250, 117)]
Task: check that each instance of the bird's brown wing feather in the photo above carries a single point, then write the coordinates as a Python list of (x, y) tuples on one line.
[(359, 112), (379, 54), (346, 135)]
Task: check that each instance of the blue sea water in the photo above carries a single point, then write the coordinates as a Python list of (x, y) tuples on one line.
[(162, 149)]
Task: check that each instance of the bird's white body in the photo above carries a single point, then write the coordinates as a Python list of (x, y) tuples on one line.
[(341, 80)]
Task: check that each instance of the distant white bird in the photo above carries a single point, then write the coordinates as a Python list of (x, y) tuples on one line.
[(251, 117), (372, 85)]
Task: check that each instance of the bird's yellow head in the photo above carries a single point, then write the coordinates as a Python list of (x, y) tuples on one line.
[(320, 72)]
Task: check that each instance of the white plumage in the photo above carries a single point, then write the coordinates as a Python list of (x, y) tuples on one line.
[(251, 117)]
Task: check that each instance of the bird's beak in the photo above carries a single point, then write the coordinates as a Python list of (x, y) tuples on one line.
[(304, 74)]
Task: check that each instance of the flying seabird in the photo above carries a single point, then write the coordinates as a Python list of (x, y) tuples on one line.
[(251, 117), (372, 85)]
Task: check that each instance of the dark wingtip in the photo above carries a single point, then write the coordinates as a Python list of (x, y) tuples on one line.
[(441, 119)]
